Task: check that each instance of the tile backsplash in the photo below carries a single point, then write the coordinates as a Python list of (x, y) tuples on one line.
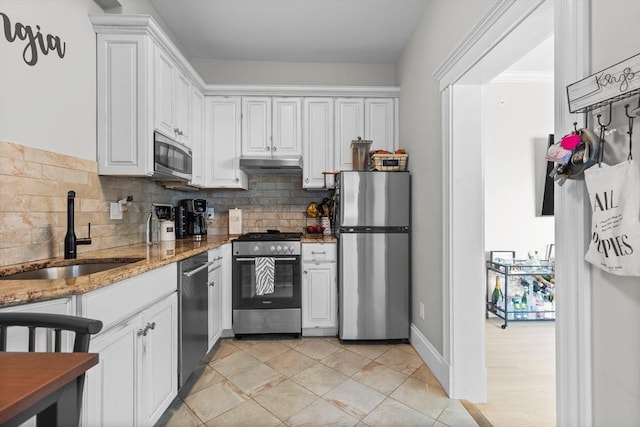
[(33, 213)]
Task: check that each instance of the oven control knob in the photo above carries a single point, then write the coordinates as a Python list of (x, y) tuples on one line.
[(256, 248), (279, 248), (291, 249), (272, 248)]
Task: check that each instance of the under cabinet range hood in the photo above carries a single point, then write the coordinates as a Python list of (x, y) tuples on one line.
[(271, 165)]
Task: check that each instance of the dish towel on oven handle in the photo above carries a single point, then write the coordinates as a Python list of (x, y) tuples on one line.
[(614, 192), (265, 267)]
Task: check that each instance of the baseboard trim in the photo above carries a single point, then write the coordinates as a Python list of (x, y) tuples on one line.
[(431, 357), (319, 332)]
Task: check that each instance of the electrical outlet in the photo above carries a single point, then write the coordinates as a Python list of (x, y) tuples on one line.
[(115, 211), (422, 311), (210, 213)]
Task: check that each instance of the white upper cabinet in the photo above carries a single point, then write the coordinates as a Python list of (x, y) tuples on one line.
[(125, 104), (256, 126), (379, 123), (196, 137), (349, 116), (143, 84), (271, 126), (372, 119), (222, 143), (286, 129), (172, 93), (317, 142)]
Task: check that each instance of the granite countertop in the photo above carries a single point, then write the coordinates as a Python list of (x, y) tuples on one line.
[(14, 292), (318, 238)]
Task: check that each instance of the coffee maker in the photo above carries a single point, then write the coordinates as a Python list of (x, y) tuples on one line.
[(195, 214)]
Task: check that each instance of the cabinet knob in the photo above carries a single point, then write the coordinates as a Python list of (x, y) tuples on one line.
[(306, 272), (275, 148), (237, 179), (151, 325), (268, 148), (142, 332), (212, 283)]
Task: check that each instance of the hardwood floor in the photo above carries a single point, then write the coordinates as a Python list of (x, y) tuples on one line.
[(520, 374)]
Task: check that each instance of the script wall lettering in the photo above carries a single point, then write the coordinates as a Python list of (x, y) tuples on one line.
[(36, 42)]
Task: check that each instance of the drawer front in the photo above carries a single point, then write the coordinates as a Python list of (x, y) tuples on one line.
[(120, 300), (319, 252)]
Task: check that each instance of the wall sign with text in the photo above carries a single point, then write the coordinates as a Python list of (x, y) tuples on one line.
[(617, 82), (35, 42)]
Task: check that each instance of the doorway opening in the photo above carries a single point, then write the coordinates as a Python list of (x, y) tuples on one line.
[(478, 59), (518, 120)]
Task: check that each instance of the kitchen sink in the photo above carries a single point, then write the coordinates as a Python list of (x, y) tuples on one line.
[(79, 268)]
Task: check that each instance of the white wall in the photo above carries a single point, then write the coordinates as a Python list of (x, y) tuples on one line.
[(518, 117), (443, 25), (616, 300), (293, 73), (51, 105)]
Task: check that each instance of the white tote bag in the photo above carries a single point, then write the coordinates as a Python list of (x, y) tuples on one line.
[(614, 192)]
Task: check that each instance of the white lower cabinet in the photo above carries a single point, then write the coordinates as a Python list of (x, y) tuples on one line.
[(226, 310), (215, 296), (219, 293), (18, 338), (137, 375), (319, 289), (159, 358)]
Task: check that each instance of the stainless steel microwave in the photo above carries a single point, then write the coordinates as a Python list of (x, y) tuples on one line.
[(172, 160)]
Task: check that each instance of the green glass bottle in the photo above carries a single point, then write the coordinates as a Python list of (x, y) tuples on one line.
[(496, 295)]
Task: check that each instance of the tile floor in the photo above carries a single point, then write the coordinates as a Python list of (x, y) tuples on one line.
[(314, 382)]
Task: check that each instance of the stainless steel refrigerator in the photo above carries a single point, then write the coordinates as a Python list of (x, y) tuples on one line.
[(373, 224)]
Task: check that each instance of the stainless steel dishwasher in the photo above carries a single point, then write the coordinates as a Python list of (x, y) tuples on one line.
[(193, 314)]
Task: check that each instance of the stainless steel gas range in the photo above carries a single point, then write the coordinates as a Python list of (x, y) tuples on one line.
[(267, 282)]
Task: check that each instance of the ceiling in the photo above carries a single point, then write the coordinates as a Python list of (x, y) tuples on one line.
[(353, 31)]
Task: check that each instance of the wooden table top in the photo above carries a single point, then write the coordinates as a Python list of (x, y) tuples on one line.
[(25, 378)]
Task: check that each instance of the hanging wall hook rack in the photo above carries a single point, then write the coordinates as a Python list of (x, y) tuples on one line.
[(610, 117), (603, 129), (631, 118)]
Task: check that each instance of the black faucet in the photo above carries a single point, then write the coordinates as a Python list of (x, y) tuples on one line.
[(70, 240)]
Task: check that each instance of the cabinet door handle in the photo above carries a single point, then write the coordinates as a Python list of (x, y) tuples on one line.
[(306, 180), (275, 148), (212, 283), (306, 272), (142, 332), (268, 148), (151, 325), (318, 253)]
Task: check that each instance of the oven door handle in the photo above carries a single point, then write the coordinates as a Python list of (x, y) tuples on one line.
[(276, 258), (196, 270)]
